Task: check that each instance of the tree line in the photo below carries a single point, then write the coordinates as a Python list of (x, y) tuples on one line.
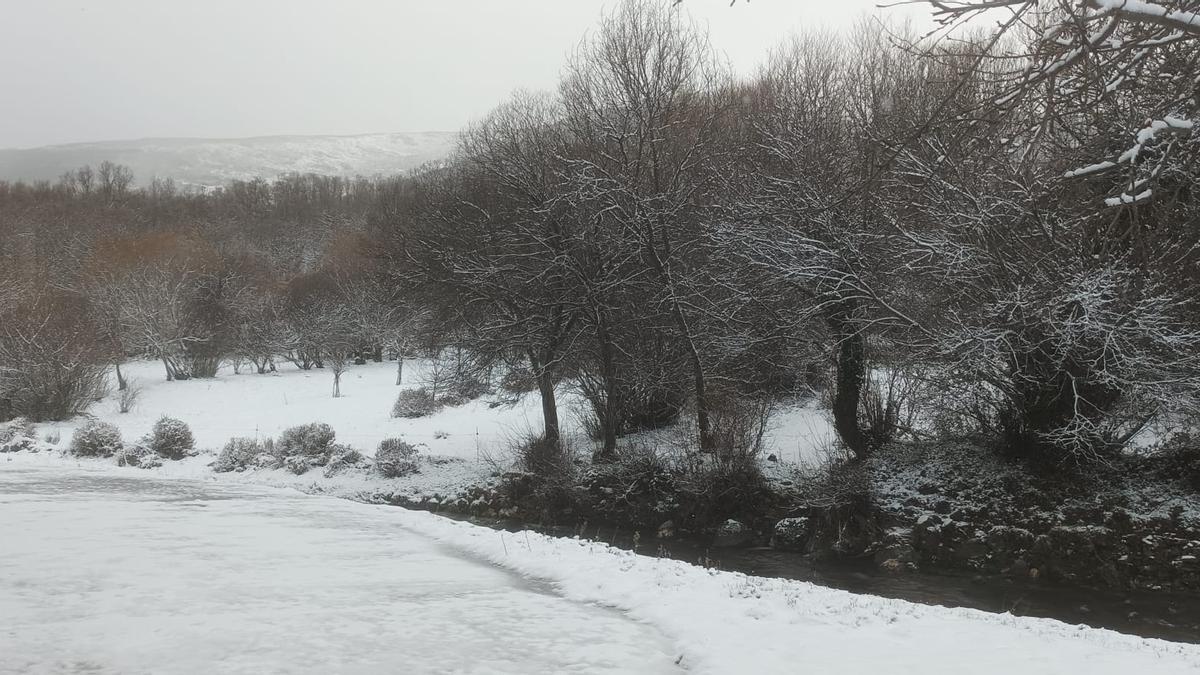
[(992, 235)]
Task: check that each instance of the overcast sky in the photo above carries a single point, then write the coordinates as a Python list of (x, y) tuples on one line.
[(122, 69)]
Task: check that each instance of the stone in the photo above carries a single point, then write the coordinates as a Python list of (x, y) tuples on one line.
[(791, 534), (732, 533), (666, 530), (971, 548)]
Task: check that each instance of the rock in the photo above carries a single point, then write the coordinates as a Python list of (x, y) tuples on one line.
[(732, 533), (1006, 543), (971, 548), (791, 534), (1019, 568), (772, 458)]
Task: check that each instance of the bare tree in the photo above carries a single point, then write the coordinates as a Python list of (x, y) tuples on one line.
[(644, 100)]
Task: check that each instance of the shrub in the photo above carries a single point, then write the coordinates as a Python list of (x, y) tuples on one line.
[(138, 455), (544, 458), (17, 435), (96, 439), (305, 446), (240, 454), (54, 360), (128, 397), (413, 403), (343, 458), (463, 389), (170, 438), (395, 458), (15, 428)]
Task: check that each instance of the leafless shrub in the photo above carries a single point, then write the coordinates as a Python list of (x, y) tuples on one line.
[(129, 396), (52, 362)]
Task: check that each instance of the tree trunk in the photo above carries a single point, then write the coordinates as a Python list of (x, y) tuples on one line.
[(377, 354), (399, 369), (612, 407), (122, 383), (850, 375), (703, 425), (337, 384), (549, 407)]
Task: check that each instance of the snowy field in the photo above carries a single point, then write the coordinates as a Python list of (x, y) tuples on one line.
[(107, 574), (261, 406), (109, 570), (177, 569)]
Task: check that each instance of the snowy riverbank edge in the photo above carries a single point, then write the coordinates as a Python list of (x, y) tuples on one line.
[(726, 622)]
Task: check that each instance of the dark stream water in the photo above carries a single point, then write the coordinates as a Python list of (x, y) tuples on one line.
[(1148, 614)]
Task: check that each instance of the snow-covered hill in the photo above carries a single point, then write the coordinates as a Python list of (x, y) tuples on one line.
[(209, 162)]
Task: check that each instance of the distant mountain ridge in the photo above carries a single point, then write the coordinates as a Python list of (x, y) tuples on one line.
[(210, 162)]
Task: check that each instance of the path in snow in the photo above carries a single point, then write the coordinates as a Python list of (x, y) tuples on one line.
[(107, 574)]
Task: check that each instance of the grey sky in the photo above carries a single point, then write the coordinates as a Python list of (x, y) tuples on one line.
[(117, 69)]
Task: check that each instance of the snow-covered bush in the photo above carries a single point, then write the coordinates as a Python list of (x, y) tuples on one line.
[(96, 439), (240, 454), (396, 458), (412, 403), (17, 435), (138, 455), (170, 438), (14, 428), (302, 447), (343, 458)]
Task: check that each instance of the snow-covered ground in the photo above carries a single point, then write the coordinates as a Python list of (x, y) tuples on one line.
[(102, 573), (109, 569), (114, 569), (261, 406)]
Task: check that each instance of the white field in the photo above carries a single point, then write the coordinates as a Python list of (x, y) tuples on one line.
[(103, 574), (95, 571), (110, 570), (261, 406)]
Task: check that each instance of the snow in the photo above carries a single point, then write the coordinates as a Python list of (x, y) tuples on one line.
[(1141, 10), (118, 569), (215, 162), (1090, 169), (262, 406), (110, 571), (107, 574)]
